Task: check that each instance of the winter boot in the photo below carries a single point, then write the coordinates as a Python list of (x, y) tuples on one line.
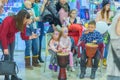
[(35, 62), (27, 63)]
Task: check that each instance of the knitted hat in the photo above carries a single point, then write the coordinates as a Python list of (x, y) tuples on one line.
[(105, 2)]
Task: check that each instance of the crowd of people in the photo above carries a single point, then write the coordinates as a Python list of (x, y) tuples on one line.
[(68, 35)]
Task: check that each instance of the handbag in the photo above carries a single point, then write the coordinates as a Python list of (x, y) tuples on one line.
[(8, 67)]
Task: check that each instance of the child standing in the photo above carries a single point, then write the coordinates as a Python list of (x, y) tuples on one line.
[(53, 50), (31, 29), (65, 45)]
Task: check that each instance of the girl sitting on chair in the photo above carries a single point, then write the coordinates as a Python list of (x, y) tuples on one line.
[(53, 50), (65, 44)]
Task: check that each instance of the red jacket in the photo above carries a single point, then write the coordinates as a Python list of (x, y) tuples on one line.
[(8, 30)]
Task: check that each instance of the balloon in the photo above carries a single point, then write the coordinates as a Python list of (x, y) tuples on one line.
[(102, 27)]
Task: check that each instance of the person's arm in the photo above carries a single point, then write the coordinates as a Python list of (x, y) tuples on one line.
[(4, 32), (43, 5), (51, 45), (98, 17), (117, 30), (25, 37), (99, 38)]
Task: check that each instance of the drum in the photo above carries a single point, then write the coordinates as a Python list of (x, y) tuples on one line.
[(63, 59), (91, 49)]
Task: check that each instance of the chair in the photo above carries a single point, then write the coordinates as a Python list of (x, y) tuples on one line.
[(47, 38)]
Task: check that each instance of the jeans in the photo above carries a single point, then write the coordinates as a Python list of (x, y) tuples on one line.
[(106, 47), (10, 56), (84, 57), (11, 48), (31, 44), (53, 59)]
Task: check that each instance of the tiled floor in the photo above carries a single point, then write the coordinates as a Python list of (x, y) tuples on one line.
[(40, 74)]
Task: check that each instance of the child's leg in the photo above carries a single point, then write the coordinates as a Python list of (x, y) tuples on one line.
[(95, 64), (52, 56), (55, 62), (55, 59), (83, 63), (52, 59), (71, 59), (35, 49), (28, 44)]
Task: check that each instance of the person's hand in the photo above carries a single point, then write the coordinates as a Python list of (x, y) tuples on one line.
[(54, 28), (36, 19), (94, 41), (33, 36), (29, 21), (6, 51), (60, 50), (31, 13), (86, 31)]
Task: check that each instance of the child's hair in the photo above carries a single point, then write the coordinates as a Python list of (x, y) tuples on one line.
[(72, 11), (92, 23), (52, 37), (27, 2), (62, 30)]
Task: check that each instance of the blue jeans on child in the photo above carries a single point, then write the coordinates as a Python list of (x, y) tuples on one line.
[(84, 57), (53, 59), (31, 44)]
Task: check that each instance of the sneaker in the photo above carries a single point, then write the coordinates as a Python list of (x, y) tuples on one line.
[(104, 62), (55, 68), (51, 67)]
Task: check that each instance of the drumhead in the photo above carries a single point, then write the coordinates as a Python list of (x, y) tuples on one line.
[(91, 44), (62, 54)]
